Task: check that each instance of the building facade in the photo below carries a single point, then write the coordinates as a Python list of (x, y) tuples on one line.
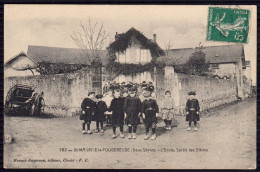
[(20, 65), (137, 50), (226, 62)]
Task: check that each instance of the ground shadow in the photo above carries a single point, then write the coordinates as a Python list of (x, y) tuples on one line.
[(23, 114)]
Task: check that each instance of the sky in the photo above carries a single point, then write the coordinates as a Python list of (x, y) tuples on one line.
[(53, 25)]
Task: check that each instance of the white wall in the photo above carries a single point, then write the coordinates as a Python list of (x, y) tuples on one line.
[(8, 71), (134, 55), (247, 73), (18, 66), (226, 69), (138, 78), (21, 62)]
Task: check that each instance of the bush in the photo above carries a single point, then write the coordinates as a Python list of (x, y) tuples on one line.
[(46, 68)]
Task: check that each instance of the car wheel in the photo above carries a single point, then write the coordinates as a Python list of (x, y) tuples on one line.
[(8, 108)]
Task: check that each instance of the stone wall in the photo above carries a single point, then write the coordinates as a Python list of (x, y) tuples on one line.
[(247, 86), (63, 93), (211, 92)]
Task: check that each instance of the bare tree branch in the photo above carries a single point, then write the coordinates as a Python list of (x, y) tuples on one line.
[(91, 38)]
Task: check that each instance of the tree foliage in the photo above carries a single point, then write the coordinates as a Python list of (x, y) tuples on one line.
[(47, 68), (196, 65)]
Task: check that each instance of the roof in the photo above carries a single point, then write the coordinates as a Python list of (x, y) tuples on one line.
[(62, 55), (122, 42), (18, 62), (10, 61), (214, 54)]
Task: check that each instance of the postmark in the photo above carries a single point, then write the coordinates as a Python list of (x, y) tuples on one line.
[(228, 25)]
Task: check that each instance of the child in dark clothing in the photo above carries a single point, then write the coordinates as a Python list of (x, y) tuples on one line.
[(150, 112), (117, 109), (87, 106), (132, 107), (192, 108), (101, 108)]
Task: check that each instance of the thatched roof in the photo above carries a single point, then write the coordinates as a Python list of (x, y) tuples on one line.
[(122, 42), (214, 54), (62, 55)]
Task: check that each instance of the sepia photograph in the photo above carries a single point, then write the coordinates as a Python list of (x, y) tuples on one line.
[(130, 86)]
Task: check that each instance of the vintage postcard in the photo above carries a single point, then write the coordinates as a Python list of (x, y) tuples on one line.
[(130, 86)]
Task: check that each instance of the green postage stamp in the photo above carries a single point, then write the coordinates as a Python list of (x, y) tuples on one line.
[(228, 25)]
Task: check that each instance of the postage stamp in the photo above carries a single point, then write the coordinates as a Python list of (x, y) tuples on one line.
[(228, 25)]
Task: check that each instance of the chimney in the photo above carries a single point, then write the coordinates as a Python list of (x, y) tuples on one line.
[(154, 38), (116, 37)]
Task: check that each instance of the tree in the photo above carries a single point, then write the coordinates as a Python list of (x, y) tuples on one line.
[(168, 47), (197, 64), (166, 59), (91, 38), (27, 67)]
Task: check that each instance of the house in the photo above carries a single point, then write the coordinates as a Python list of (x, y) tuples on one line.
[(20, 65), (226, 61), (132, 47)]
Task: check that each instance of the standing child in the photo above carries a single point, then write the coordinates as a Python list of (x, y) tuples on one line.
[(107, 99), (167, 110), (125, 93), (101, 108), (141, 97), (132, 107), (192, 108), (87, 106), (150, 112), (117, 109)]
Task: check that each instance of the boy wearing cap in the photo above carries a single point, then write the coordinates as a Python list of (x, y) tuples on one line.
[(150, 87), (192, 109), (144, 85), (132, 107), (87, 106), (122, 86), (100, 110), (125, 93), (129, 85), (150, 112), (117, 109)]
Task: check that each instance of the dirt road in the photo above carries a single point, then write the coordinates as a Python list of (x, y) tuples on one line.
[(226, 139)]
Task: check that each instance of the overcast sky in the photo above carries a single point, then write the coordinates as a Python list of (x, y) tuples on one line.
[(52, 25)]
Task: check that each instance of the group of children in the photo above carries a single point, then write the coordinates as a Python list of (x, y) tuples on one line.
[(121, 107), (148, 86)]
